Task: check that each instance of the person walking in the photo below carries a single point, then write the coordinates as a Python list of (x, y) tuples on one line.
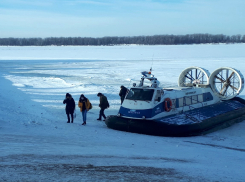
[(70, 107), (104, 104), (123, 93), (84, 105)]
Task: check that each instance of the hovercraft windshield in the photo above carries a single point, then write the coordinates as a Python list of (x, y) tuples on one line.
[(140, 94)]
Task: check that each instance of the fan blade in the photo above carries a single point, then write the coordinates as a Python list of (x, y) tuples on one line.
[(224, 87), (191, 77), (220, 79), (228, 80), (233, 87)]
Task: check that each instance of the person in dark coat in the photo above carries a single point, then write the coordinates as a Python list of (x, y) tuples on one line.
[(104, 104), (70, 107), (84, 106), (123, 93)]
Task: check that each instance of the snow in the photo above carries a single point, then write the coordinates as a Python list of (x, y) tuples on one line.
[(38, 145)]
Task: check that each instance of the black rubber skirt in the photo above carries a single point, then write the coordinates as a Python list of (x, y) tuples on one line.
[(161, 128)]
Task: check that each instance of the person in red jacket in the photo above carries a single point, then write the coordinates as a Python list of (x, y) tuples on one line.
[(84, 106), (70, 107)]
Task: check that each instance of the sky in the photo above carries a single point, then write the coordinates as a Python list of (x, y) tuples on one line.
[(100, 18)]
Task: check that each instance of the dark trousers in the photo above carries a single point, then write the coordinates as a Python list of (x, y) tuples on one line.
[(102, 113), (68, 117), (122, 99)]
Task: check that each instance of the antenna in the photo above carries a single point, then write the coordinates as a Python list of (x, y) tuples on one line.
[(150, 71), (151, 64), (152, 60)]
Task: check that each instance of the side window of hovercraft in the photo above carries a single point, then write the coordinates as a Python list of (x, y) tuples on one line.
[(158, 96), (194, 99), (200, 98), (181, 102), (174, 103)]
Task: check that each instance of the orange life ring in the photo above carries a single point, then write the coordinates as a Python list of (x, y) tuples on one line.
[(167, 104)]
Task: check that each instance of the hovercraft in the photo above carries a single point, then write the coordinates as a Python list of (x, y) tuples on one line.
[(201, 103)]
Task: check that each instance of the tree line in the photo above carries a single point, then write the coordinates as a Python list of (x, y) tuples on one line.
[(140, 40)]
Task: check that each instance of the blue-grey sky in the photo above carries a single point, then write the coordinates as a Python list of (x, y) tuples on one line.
[(99, 18)]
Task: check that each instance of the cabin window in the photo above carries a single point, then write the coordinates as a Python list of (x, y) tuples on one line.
[(181, 102), (187, 101), (140, 94), (162, 92), (200, 98), (194, 99), (173, 103), (158, 96)]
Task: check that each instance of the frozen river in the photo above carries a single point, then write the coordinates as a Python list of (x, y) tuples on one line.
[(38, 145)]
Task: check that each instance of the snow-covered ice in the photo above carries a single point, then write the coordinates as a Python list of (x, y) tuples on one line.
[(38, 145)]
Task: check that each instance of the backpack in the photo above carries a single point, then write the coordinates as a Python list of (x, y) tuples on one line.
[(90, 106)]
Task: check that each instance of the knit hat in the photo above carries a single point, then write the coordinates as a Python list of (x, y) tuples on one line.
[(82, 98), (68, 95), (99, 94)]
